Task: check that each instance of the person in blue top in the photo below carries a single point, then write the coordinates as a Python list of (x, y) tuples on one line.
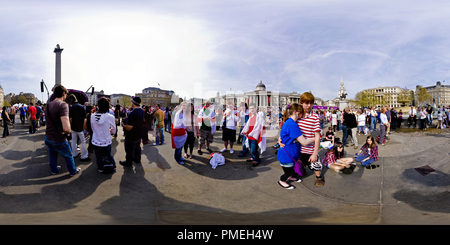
[(289, 151)]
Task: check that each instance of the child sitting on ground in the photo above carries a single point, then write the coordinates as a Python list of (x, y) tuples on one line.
[(333, 159), (329, 135), (370, 154)]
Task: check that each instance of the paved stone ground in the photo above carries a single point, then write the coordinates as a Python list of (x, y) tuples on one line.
[(160, 191)]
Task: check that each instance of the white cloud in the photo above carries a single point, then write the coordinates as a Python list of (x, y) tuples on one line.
[(290, 45)]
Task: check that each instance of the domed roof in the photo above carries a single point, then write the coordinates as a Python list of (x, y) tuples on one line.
[(260, 86)]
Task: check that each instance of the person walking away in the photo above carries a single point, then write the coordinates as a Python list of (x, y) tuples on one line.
[(32, 113), (58, 125), (77, 117), (179, 133), (5, 120), (159, 129), (133, 126), (255, 132), (192, 130), (22, 113), (383, 125), (368, 153), (103, 124), (12, 114), (207, 124), (289, 152), (229, 121), (38, 116), (333, 159)]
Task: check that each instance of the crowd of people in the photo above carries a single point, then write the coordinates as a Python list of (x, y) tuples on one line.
[(301, 132)]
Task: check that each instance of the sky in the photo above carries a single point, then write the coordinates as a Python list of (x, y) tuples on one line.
[(198, 47)]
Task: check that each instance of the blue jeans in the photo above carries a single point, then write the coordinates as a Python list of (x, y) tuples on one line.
[(253, 145), (101, 152), (244, 148), (177, 154), (361, 157), (63, 149), (5, 128), (373, 123), (344, 134), (160, 137)]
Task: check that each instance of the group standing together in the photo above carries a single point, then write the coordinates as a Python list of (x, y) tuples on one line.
[(299, 138), (68, 120)]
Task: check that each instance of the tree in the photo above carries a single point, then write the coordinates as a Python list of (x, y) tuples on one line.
[(369, 98), (422, 96), (125, 101), (366, 98), (19, 99)]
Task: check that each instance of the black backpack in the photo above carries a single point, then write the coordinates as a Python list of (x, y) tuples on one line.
[(108, 167)]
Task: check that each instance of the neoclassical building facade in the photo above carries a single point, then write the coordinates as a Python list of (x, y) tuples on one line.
[(260, 97)]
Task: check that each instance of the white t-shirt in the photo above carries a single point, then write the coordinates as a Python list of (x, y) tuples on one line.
[(362, 120)]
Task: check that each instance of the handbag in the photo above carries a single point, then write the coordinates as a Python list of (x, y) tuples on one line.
[(298, 167)]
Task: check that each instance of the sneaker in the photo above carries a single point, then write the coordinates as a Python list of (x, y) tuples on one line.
[(209, 150), (223, 150), (181, 163), (200, 152), (59, 169), (78, 170), (231, 151), (155, 144)]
